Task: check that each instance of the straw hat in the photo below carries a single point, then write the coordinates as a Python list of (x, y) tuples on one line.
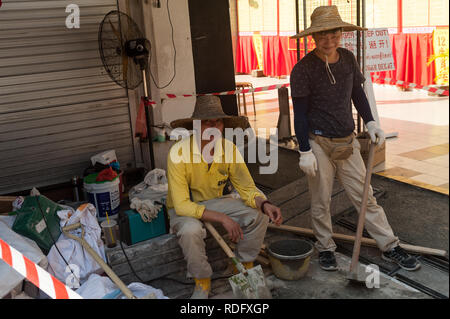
[(208, 107), (326, 18)]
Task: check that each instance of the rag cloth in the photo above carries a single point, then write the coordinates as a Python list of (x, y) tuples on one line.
[(108, 174)]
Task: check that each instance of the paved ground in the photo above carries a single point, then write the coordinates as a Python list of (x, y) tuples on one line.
[(320, 284)]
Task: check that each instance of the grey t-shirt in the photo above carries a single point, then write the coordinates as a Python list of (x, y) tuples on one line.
[(330, 107)]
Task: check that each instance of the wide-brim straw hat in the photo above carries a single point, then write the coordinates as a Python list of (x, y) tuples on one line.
[(326, 18), (208, 107)]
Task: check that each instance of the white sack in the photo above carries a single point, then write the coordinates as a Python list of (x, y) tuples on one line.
[(73, 251)]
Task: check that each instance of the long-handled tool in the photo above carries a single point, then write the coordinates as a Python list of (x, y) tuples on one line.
[(353, 273), (364, 240), (126, 291), (248, 283)]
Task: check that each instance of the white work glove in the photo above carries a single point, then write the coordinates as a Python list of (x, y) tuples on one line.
[(374, 132), (146, 208), (308, 163)]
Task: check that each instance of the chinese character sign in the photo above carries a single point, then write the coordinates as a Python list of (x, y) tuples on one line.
[(378, 49), (258, 45), (440, 46)]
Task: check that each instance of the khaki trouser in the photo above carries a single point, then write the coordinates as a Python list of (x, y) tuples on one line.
[(351, 174), (191, 234)]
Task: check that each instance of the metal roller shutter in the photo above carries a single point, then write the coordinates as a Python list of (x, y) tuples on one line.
[(58, 107)]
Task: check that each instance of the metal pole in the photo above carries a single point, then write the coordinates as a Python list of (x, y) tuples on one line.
[(147, 105), (297, 29), (363, 38), (358, 51), (305, 39)]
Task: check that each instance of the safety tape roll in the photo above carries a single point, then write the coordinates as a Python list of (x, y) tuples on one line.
[(35, 274)]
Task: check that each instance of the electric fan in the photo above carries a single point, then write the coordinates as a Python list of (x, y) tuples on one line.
[(125, 52)]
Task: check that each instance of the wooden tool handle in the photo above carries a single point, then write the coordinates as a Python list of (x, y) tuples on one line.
[(219, 240), (112, 275), (364, 240), (7, 198), (240, 267), (362, 212)]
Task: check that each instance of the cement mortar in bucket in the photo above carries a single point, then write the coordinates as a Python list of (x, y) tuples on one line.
[(290, 258)]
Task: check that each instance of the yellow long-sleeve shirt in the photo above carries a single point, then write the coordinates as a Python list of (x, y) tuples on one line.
[(187, 170)]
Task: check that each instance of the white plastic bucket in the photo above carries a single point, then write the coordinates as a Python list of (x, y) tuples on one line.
[(105, 197)]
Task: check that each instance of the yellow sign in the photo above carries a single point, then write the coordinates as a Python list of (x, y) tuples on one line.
[(440, 44), (258, 44)]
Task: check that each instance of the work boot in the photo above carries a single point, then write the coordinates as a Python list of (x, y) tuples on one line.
[(399, 256), (202, 288), (327, 261)]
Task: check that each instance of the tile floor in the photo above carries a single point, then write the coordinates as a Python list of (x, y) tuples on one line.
[(417, 151)]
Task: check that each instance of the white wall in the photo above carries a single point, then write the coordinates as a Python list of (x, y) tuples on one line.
[(159, 32)]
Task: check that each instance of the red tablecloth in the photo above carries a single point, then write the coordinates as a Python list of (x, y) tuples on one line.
[(246, 59)]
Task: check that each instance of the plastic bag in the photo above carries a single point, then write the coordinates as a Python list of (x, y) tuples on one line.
[(141, 290), (96, 287), (9, 277), (156, 177), (81, 262), (154, 187), (37, 219), (17, 203), (100, 287)]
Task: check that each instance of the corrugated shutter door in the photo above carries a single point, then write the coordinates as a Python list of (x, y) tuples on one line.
[(58, 107)]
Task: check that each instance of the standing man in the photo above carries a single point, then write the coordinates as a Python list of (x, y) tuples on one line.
[(197, 174), (323, 85)]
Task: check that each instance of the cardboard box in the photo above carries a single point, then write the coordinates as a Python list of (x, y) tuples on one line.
[(257, 73), (380, 150)]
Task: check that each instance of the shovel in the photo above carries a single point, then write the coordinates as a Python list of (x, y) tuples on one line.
[(248, 283), (112, 275), (354, 275)]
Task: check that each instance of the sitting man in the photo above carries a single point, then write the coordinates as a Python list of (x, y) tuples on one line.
[(196, 178)]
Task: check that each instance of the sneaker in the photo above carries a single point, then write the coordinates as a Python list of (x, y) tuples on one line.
[(399, 256), (327, 261)]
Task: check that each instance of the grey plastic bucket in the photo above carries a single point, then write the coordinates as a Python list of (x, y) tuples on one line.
[(290, 258)]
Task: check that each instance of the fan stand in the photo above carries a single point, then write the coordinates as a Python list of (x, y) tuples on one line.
[(147, 105)]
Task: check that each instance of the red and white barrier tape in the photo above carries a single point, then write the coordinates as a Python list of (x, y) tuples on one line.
[(277, 86), (34, 273), (249, 90), (258, 89), (411, 85)]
